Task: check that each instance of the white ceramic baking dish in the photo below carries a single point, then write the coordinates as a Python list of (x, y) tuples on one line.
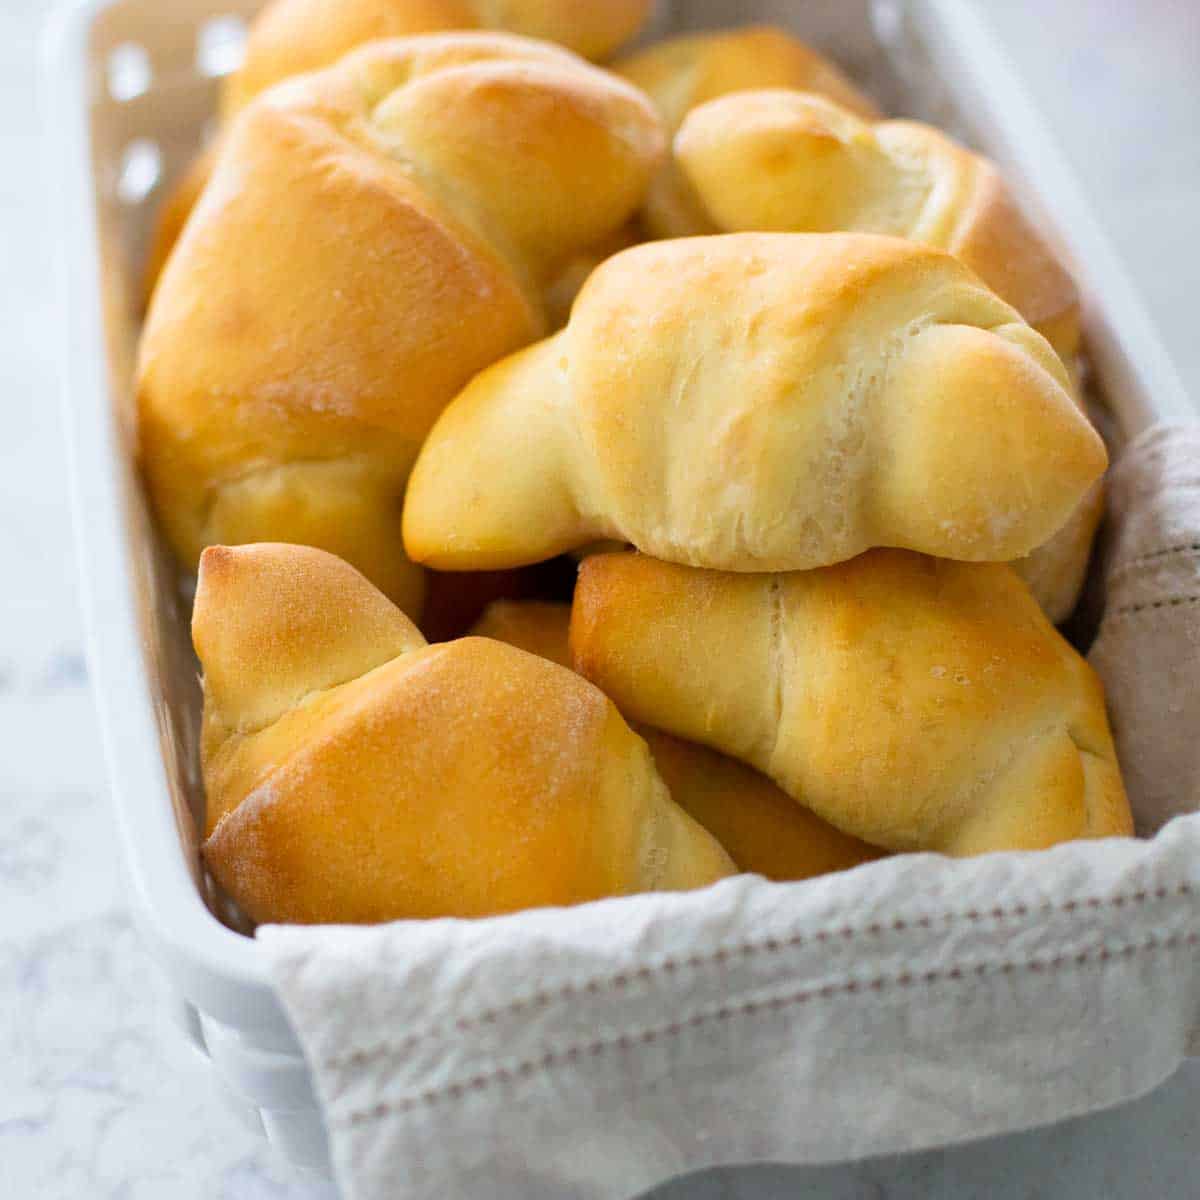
[(130, 86)]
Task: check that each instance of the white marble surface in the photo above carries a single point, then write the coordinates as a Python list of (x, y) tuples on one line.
[(98, 1096)]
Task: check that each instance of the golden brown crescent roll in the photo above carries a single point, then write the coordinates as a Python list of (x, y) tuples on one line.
[(684, 71), (369, 240), (790, 161), (757, 402), (290, 37), (355, 774), (917, 703), (763, 829)]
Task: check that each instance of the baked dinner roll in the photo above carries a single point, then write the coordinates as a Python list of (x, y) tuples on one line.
[(913, 702), (355, 774), (764, 830), (684, 71), (758, 402), (794, 161), (373, 235), (790, 161), (290, 37)]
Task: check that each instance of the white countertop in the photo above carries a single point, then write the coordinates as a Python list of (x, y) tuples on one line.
[(99, 1097)]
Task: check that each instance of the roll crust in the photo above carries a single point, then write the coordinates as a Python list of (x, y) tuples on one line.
[(916, 703), (764, 829), (535, 626), (172, 215), (355, 774)]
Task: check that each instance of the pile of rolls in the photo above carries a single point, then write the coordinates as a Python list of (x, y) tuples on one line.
[(606, 479)]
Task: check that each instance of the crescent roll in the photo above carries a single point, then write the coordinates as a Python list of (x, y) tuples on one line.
[(764, 830), (290, 37), (293, 37), (682, 72), (916, 703), (355, 774), (762, 402), (369, 241), (791, 161)]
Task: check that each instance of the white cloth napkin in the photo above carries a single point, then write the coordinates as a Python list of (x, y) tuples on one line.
[(1148, 650), (918, 1001)]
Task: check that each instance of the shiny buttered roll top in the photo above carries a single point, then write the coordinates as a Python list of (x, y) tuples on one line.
[(294, 37), (796, 162), (791, 161)]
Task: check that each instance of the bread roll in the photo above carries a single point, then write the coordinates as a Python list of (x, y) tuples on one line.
[(354, 774), (758, 402), (687, 70), (789, 161), (290, 37), (681, 72), (369, 240), (764, 830), (799, 162), (916, 703)]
